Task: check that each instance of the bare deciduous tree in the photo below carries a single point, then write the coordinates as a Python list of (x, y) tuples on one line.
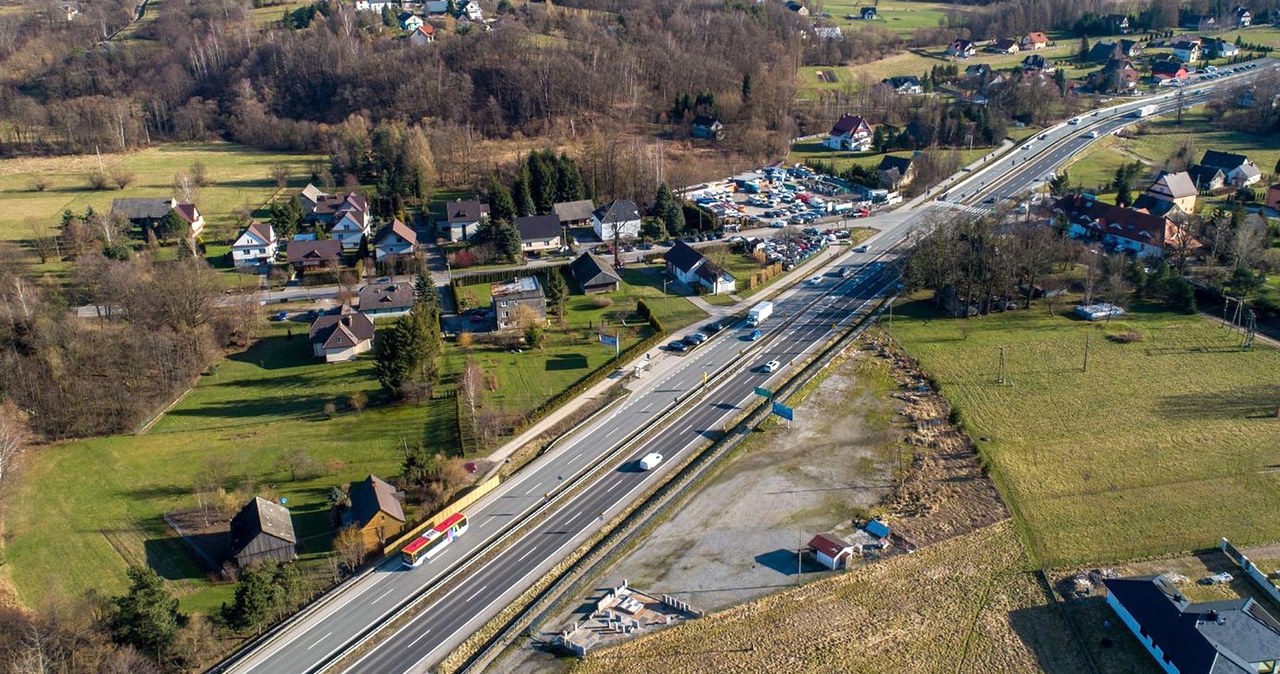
[(348, 544)]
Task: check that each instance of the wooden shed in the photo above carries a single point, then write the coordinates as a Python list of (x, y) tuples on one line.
[(375, 511), (263, 530)]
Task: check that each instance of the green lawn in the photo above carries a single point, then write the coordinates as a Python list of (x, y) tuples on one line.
[(1162, 446), (239, 177), (800, 152), (87, 508), (900, 16)]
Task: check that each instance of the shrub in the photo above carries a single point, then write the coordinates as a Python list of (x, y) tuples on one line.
[(98, 181), (330, 410), (122, 178), (601, 302), (40, 184), (357, 401), (466, 339)]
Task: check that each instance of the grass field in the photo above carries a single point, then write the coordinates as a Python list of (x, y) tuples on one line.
[(1130, 459), (800, 152), (1162, 139), (900, 16), (88, 508), (240, 177), (965, 605)]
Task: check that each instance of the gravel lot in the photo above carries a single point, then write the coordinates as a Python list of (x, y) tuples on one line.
[(737, 538)]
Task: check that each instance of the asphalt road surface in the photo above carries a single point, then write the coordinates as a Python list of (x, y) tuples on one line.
[(327, 630)]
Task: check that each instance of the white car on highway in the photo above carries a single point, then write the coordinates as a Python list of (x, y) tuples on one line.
[(771, 366), (816, 280)]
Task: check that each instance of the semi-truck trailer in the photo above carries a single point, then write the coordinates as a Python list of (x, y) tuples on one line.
[(759, 313), (1145, 111)]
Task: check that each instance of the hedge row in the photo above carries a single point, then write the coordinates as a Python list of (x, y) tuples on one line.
[(501, 275)]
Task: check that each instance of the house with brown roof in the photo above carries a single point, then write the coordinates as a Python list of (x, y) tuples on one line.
[(379, 300), (1187, 49), (376, 512), (422, 35), (830, 551), (850, 133), (145, 214), (263, 530), (1125, 230), (341, 334), (896, 172), (1169, 191), (394, 239), (1004, 46), (254, 245), (314, 254), (961, 49), (1034, 40)]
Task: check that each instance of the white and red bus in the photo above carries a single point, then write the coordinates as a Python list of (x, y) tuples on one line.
[(430, 544)]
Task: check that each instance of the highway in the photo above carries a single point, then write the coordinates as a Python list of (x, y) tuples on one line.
[(311, 644)]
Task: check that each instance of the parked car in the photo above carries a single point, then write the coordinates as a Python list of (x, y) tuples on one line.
[(280, 316), (713, 327), (677, 346), (695, 338), (860, 249)]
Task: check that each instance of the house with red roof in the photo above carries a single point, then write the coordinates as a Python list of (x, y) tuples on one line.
[(1126, 230), (850, 133), (830, 551)]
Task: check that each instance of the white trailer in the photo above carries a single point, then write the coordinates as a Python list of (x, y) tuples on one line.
[(759, 313), (1145, 111)]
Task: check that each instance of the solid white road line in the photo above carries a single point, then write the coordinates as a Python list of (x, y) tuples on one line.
[(530, 552), (473, 594), (317, 643), (382, 595), (420, 637)]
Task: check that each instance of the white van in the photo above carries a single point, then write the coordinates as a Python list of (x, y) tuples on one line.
[(650, 461)]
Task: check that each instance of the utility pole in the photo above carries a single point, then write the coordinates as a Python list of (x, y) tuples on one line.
[(1002, 365), (799, 553), (1086, 354)]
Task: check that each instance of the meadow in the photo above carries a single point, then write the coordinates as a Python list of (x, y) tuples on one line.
[(239, 178), (1162, 446), (965, 605)]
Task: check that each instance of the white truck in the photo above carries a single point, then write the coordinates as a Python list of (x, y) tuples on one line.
[(759, 313), (1144, 111), (650, 461)]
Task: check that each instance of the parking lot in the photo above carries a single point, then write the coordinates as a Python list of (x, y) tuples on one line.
[(778, 196)]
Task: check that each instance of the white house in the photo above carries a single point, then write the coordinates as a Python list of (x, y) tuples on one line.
[(409, 21), (1238, 169), (692, 268), (619, 218), (961, 49), (394, 239), (255, 245), (375, 5), (341, 335), (851, 132), (471, 10), (461, 217), (351, 228), (539, 233), (1187, 49), (830, 551)]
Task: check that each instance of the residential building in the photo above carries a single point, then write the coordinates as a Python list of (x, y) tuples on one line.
[(1187, 49), (1117, 75), (574, 213), (394, 239), (868, 13), (263, 530), (693, 269), (1244, 18), (507, 297), (422, 35), (594, 274), (1034, 41), (961, 49), (1004, 46), (707, 128), (70, 9), (1228, 636), (375, 511), (1175, 189), (1123, 229), (1207, 178), (851, 133), (254, 245), (620, 218), (409, 21), (145, 214), (1119, 23), (435, 7), (896, 172), (1036, 63), (1169, 69), (904, 84), (350, 227), (1130, 48), (1273, 197), (1237, 168), (798, 8), (539, 233), (387, 299), (326, 208), (1217, 48), (830, 551), (309, 198), (313, 254), (470, 11), (461, 217), (376, 6), (980, 71), (341, 334)]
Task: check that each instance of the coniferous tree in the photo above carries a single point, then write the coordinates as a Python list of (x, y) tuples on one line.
[(502, 208), (522, 193), (557, 292), (146, 616)]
